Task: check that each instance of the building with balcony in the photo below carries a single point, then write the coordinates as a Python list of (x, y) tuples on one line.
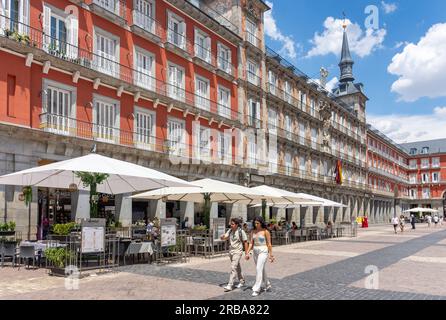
[(427, 174), (191, 89)]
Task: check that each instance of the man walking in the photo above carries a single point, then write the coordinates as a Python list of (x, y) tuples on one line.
[(395, 222), (412, 221), (238, 239)]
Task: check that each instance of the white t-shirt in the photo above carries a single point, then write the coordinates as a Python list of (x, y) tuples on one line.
[(395, 220), (435, 219)]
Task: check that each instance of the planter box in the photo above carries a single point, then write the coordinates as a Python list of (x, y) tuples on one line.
[(58, 272), (7, 233)]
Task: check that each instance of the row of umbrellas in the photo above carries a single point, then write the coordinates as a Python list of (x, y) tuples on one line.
[(126, 177)]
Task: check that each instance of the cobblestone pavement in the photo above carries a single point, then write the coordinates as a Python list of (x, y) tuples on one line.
[(410, 266)]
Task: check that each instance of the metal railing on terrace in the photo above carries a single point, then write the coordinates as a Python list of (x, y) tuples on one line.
[(204, 54), (117, 7), (148, 24), (180, 40), (345, 130), (388, 174), (253, 78), (252, 39), (213, 13), (291, 100), (387, 156), (105, 64)]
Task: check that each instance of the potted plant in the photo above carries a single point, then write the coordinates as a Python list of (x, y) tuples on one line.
[(7, 229), (61, 231), (58, 258)]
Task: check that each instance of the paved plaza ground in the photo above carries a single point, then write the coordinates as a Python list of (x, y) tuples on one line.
[(410, 266)]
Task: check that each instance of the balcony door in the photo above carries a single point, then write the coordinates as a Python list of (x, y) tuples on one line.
[(105, 55), (106, 121), (144, 15), (58, 110)]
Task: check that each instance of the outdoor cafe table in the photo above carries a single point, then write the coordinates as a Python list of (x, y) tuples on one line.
[(139, 247)]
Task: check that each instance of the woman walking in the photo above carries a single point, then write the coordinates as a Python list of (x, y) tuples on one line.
[(261, 245)]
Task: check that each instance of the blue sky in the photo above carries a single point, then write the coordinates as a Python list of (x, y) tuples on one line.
[(408, 96)]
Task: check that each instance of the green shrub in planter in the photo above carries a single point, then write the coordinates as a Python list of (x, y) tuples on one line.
[(63, 229), (58, 256)]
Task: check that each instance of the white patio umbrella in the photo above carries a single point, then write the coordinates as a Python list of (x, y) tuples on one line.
[(219, 191), (413, 210), (123, 176), (290, 197)]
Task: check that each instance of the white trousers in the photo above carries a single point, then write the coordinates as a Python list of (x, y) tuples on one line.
[(260, 258)]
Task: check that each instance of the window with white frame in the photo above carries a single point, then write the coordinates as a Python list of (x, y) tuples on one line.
[(224, 148), (205, 144), (315, 167), (288, 92), (272, 121), (224, 102), (435, 177), (14, 16), (144, 128), (426, 193), (413, 178), (288, 126), (424, 163), (176, 136), (251, 32), (302, 130), (144, 69), (425, 177), (110, 5), (435, 162), (202, 45), (59, 108), (272, 82), (313, 137), (252, 72), (302, 165), (144, 15), (176, 31), (254, 113), (413, 193), (288, 164), (106, 53), (224, 58), (303, 99), (106, 119), (176, 82), (413, 164), (252, 150), (312, 107), (202, 93)]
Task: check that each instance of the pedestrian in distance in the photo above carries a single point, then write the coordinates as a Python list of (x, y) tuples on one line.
[(436, 220), (261, 245), (238, 241), (429, 221), (412, 221), (395, 222), (402, 223)]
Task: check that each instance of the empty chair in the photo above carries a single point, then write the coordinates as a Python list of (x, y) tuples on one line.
[(27, 252), (8, 249)]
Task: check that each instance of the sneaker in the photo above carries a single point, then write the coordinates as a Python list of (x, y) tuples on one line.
[(240, 285), (255, 293), (228, 288)]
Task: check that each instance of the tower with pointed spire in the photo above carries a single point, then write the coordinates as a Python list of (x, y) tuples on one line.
[(349, 92), (346, 63)]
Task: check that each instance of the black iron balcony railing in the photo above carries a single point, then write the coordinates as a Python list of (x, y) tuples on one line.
[(180, 40), (107, 65), (204, 53), (253, 39)]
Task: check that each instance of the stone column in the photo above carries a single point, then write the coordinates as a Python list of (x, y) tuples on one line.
[(187, 209), (160, 209), (295, 216), (123, 209), (80, 205), (214, 210), (281, 214)]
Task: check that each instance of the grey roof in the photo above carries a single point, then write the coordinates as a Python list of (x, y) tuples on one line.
[(435, 146), (345, 55), (370, 128)]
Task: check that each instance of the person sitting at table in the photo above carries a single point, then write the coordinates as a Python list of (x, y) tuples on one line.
[(293, 226)]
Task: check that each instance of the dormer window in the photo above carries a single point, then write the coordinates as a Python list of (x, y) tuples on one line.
[(425, 150), (413, 151)]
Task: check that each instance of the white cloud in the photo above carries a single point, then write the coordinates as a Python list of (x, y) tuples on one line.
[(329, 86), (272, 31), (411, 128), (400, 44), (421, 67), (360, 42), (389, 7)]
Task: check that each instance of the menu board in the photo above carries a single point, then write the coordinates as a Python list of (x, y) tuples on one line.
[(218, 227), (92, 239), (168, 232)]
